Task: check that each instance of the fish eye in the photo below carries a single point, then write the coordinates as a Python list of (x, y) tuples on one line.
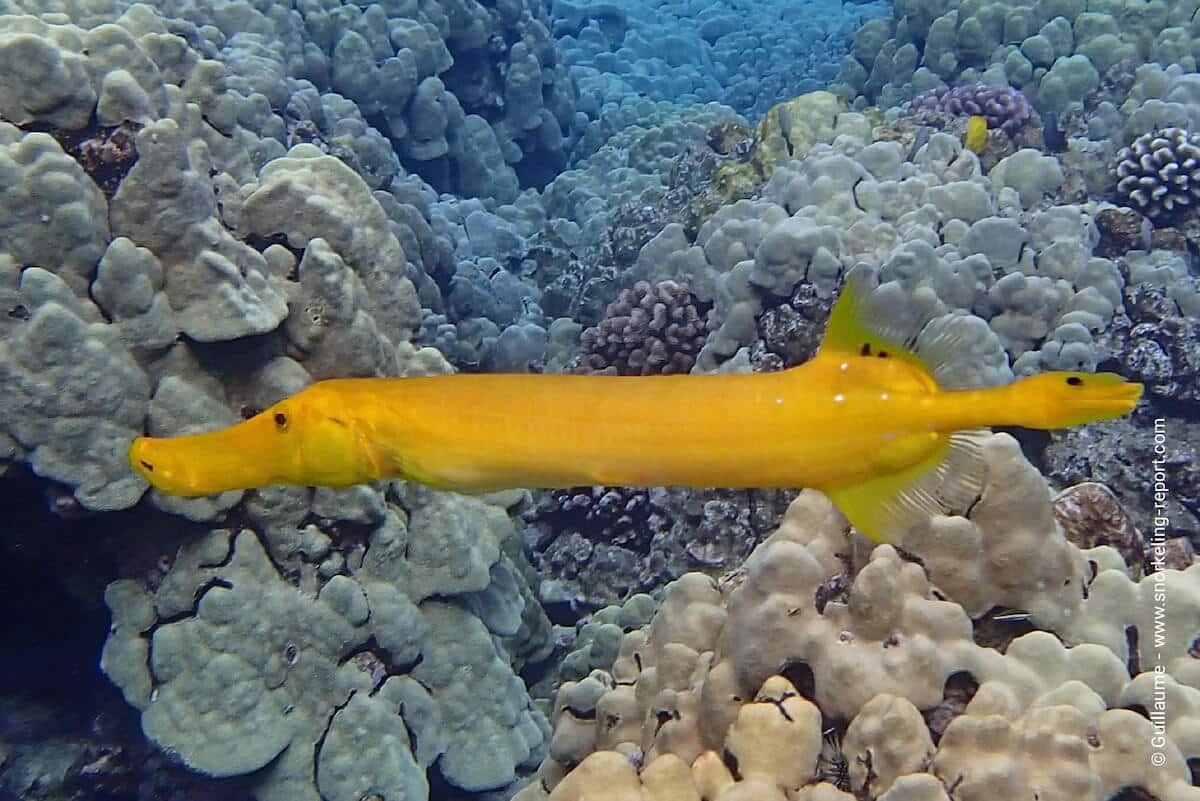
[(1074, 381), (281, 420)]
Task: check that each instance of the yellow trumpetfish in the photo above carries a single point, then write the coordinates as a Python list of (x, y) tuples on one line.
[(864, 421)]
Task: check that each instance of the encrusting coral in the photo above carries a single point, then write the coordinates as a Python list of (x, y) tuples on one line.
[(726, 694)]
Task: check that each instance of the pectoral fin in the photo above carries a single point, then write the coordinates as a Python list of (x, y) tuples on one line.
[(946, 480)]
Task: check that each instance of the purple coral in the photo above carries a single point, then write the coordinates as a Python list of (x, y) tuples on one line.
[(647, 330), (1002, 106)]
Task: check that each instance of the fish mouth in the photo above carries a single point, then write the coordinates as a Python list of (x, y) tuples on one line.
[(1117, 398)]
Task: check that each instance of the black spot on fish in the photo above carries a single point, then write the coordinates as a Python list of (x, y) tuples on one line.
[(883, 354), (866, 349), (1074, 381), (338, 420), (281, 420), (149, 467)]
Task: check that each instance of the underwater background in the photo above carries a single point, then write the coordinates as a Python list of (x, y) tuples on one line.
[(205, 205)]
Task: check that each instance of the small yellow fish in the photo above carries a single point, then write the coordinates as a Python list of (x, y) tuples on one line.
[(976, 137), (864, 421)]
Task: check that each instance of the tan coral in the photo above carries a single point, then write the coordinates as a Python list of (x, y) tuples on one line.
[(777, 738), (791, 127), (1011, 551), (1160, 613), (603, 776), (916, 787), (890, 737), (892, 635), (872, 640), (822, 792), (1128, 755), (1174, 705), (668, 778), (1044, 755)]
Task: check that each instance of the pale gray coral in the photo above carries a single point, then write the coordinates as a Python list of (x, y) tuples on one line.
[(329, 322), (489, 732), (291, 660), (74, 398), (52, 214), (307, 195), (218, 286), (43, 74)]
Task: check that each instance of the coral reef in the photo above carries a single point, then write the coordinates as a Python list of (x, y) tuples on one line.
[(726, 692), (670, 51), (207, 205), (235, 668)]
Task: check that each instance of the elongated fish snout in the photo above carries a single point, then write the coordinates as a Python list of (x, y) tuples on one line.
[(148, 459), (146, 464)]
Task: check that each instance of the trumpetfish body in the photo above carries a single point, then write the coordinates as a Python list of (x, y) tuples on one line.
[(864, 421)]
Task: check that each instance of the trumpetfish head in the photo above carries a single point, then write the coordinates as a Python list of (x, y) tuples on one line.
[(302, 440), (1065, 399)]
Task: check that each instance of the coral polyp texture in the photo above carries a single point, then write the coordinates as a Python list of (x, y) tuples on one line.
[(727, 692), (1159, 173)]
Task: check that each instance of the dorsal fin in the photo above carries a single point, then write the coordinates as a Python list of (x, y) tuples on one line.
[(853, 329), (866, 322)]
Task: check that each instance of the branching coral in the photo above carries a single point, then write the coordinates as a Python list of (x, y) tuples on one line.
[(1159, 173)]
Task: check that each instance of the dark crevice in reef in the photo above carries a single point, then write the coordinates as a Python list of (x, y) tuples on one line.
[(1134, 794), (960, 688), (59, 558), (801, 677), (56, 569), (105, 152)]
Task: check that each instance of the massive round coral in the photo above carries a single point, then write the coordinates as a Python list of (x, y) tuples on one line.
[(1159, 173)]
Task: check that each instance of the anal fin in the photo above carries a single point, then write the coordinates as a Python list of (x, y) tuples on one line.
[(947, 480)]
